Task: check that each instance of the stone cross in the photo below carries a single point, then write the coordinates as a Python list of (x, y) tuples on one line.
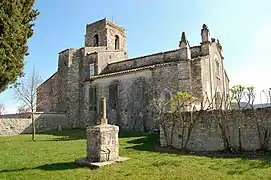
[(102, 142), (102, 109)]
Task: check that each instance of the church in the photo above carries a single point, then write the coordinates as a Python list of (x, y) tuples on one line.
[(102, 68)]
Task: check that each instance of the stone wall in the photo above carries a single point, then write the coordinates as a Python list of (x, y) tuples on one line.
[(45, 101), (127, 100), (44, 122), (195, 51), (96, 28), (114, 30), (129, 94), (206, 134), (107, 57), (51, 94), (217, 69), (73, 88), (106, 32)]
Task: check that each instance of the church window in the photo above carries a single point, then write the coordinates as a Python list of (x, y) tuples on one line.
[(218, 81), (217, 68), (92, 97), (166, 96), (218, 99), (113, 95), (91, 70), (117, 42), (208, 91), (96, 40)]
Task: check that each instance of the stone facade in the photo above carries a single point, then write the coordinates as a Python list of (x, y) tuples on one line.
[(44, 122), (102, 68), (206, 134)]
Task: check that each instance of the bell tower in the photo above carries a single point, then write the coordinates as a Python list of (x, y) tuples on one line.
[(105, 33)]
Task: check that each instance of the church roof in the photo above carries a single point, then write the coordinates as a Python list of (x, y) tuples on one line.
[(134, 70), (131, 70)]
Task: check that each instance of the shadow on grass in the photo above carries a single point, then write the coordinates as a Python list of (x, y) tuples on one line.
[(150, 142), (77, 134), (127, 134), (67, 135), (144, 142), (240, 165), (48, 167)]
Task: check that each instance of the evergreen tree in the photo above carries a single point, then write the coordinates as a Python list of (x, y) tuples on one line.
[(16, 27)]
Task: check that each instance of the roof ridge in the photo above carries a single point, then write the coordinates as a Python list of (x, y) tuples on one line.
[(130, 70), (139, 57)]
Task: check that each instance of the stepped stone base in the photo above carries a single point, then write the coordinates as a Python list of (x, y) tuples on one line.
[(94, 165)]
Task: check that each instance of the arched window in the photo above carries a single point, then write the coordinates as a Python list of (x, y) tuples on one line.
[(218, 99), (208, 91), (92, 98), (117, 42), (96, 40), (166, 96), (113, 94)]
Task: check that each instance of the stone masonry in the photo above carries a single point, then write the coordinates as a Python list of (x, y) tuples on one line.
[(206, 134), (102, 69), (10, 126)]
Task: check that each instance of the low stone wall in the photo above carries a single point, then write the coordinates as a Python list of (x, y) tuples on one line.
[(206, 134), (44, 122)]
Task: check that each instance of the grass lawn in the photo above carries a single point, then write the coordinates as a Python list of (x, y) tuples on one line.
[(52, 157)]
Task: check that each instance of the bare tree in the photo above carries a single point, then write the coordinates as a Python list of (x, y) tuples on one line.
[(159, 108), (2, 109), (260, 117), (23, 109), (25, 93), (181, 103), (221, 115), (181, 112)]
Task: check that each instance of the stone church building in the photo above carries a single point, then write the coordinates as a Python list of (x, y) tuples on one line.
[(102, 68)]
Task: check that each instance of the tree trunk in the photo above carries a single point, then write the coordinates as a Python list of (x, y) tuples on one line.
[(188, 136), (240, 139), (33, 126)]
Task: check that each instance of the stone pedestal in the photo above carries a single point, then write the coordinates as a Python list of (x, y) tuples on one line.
[(102, 142)]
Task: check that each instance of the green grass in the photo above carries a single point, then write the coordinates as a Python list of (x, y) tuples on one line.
[(52, 157)]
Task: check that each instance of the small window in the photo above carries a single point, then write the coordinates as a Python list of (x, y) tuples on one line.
[(91, 70), (96, 40), (113, 94), (217, 68), (218, 100), (92, 97), (208, 91), (166, 96), (117, 42)]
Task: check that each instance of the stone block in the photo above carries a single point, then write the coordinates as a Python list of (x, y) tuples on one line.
[(102, 143), (94, 165)]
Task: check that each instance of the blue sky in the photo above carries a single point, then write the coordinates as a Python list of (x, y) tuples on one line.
[(243, 28)]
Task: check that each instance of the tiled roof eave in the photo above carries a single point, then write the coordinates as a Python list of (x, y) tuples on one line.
[(130, 70)]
